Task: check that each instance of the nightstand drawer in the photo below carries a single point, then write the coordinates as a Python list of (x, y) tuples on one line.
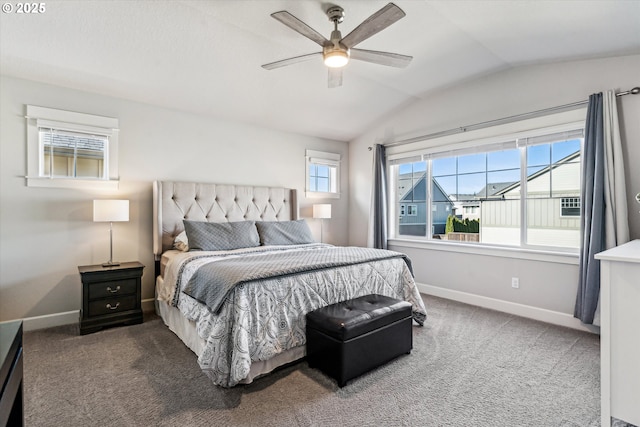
[(112, 289), (112, 305)]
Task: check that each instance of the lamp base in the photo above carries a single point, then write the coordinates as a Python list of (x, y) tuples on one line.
[(111, 264)]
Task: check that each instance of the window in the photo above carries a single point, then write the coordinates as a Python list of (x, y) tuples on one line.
[(72, 154), (320, 178), (470, 210), (570, 207), (463, 185), (323, 174), (411, 188), (72, 150), (519, 190), (553, 171)]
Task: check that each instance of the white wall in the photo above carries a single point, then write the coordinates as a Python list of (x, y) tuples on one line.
[(46, 233), (546, 285)]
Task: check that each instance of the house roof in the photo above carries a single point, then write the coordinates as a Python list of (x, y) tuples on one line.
[(494, 188), (420, 187), (74, 142), (541, 172)]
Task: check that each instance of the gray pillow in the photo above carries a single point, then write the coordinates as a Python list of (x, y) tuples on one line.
[(221, 236), (284, 232)]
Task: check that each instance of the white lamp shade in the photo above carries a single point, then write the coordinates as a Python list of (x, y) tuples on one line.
[(110, 210), (322, 211)]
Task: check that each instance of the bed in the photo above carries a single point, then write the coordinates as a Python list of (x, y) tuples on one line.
[(253, 319)]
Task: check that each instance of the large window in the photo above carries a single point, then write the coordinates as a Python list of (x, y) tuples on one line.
[(522, 191), (69, 149)]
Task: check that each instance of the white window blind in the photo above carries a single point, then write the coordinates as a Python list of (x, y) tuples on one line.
[(73, 154)]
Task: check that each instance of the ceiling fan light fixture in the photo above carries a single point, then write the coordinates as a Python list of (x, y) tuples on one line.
[(336, 58), (337, 50)]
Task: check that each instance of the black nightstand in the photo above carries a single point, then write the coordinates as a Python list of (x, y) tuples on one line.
[(110, 296)]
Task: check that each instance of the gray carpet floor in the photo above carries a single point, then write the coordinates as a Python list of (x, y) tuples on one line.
[(469, 367)]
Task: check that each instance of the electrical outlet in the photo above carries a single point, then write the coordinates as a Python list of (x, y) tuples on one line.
[(515, 282)]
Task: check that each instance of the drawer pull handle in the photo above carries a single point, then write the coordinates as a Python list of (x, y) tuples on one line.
[(113, 291), (115, 307)]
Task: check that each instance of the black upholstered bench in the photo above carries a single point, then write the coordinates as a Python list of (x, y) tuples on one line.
[(349, 338)]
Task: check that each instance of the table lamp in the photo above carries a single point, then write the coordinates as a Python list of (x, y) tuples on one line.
[(110, 211), (321, 212)]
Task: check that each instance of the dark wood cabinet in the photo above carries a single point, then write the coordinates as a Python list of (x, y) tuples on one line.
[(110, 296), (11, 391)]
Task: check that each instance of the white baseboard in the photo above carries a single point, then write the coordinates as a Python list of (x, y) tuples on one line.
[(530, 312), (49, 320), (536, 313), (67, 317)]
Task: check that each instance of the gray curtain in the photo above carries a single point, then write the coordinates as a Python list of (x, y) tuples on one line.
[(378, 219), (593, 211)]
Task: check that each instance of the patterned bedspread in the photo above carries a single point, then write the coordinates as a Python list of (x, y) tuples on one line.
[(212, 282), (263, 318)]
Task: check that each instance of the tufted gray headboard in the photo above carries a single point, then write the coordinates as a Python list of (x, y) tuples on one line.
[(175, 201)]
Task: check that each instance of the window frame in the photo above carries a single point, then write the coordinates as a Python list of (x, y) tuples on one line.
[(42, 117), (465, 142), (330, 160)]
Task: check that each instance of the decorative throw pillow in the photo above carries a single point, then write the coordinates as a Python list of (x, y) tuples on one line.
[(181, 242), (284, 232), (221, 236)]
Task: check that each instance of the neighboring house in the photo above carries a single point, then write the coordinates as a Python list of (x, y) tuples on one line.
[(553, 208), (412, 206), (553, 202), (469, 207), (467, 210)]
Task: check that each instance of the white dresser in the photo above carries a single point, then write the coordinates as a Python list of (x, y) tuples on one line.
[(620, 333)]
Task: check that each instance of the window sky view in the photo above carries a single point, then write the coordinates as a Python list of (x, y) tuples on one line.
[(471, 174)]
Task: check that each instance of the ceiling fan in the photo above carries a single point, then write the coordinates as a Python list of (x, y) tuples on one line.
[(337, 50)]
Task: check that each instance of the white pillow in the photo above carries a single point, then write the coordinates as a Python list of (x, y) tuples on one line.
[(181, 242)]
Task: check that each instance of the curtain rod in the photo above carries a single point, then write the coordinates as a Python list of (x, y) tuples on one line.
[(503, 120)]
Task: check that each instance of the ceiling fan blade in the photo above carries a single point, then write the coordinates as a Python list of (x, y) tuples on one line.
[(335, 77), (297, 25), (294, 60), (382, 58), (373, 25)]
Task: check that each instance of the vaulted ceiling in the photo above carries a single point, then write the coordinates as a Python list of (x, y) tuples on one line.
[(205, 57)]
